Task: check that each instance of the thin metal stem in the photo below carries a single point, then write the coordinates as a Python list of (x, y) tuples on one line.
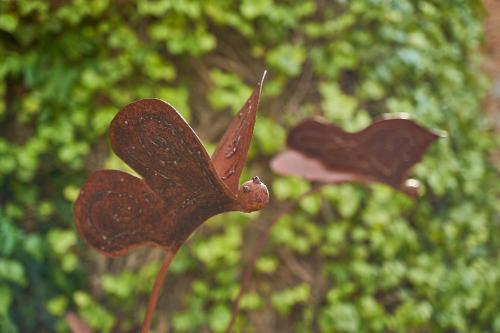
[(155, 292), (257, 250)]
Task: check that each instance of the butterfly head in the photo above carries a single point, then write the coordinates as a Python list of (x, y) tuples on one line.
[(253, 195)]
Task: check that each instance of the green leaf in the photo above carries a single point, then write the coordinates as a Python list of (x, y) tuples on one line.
[(12, 271)]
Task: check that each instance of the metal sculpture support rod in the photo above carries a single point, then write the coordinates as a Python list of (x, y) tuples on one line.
[(257, 250), (155, 292)]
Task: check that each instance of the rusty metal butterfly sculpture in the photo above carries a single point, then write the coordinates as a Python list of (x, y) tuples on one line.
[(383, 152), (180, 187)]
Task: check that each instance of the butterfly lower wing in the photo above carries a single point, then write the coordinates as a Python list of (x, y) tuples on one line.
[(231, 152), (116, 211), (151, 137)]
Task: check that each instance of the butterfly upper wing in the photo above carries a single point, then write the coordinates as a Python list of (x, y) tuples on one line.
[(384, 151), (178, 177), (231, 152), (151, 137)]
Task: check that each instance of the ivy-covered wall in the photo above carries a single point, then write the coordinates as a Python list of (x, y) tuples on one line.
[(349, 259)]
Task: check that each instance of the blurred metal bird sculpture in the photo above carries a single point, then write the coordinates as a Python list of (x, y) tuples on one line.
[(383, 152)]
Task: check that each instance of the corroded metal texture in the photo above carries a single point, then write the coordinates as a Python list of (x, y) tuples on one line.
[(383, 152), (180, 186), (253, 195), (231, 152)]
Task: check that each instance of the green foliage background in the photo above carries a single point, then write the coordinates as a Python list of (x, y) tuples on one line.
[(349, 259)]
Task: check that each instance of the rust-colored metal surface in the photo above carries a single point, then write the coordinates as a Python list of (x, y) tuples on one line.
[(383, 152), (76, 324), (180, 186), (231, 152)]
